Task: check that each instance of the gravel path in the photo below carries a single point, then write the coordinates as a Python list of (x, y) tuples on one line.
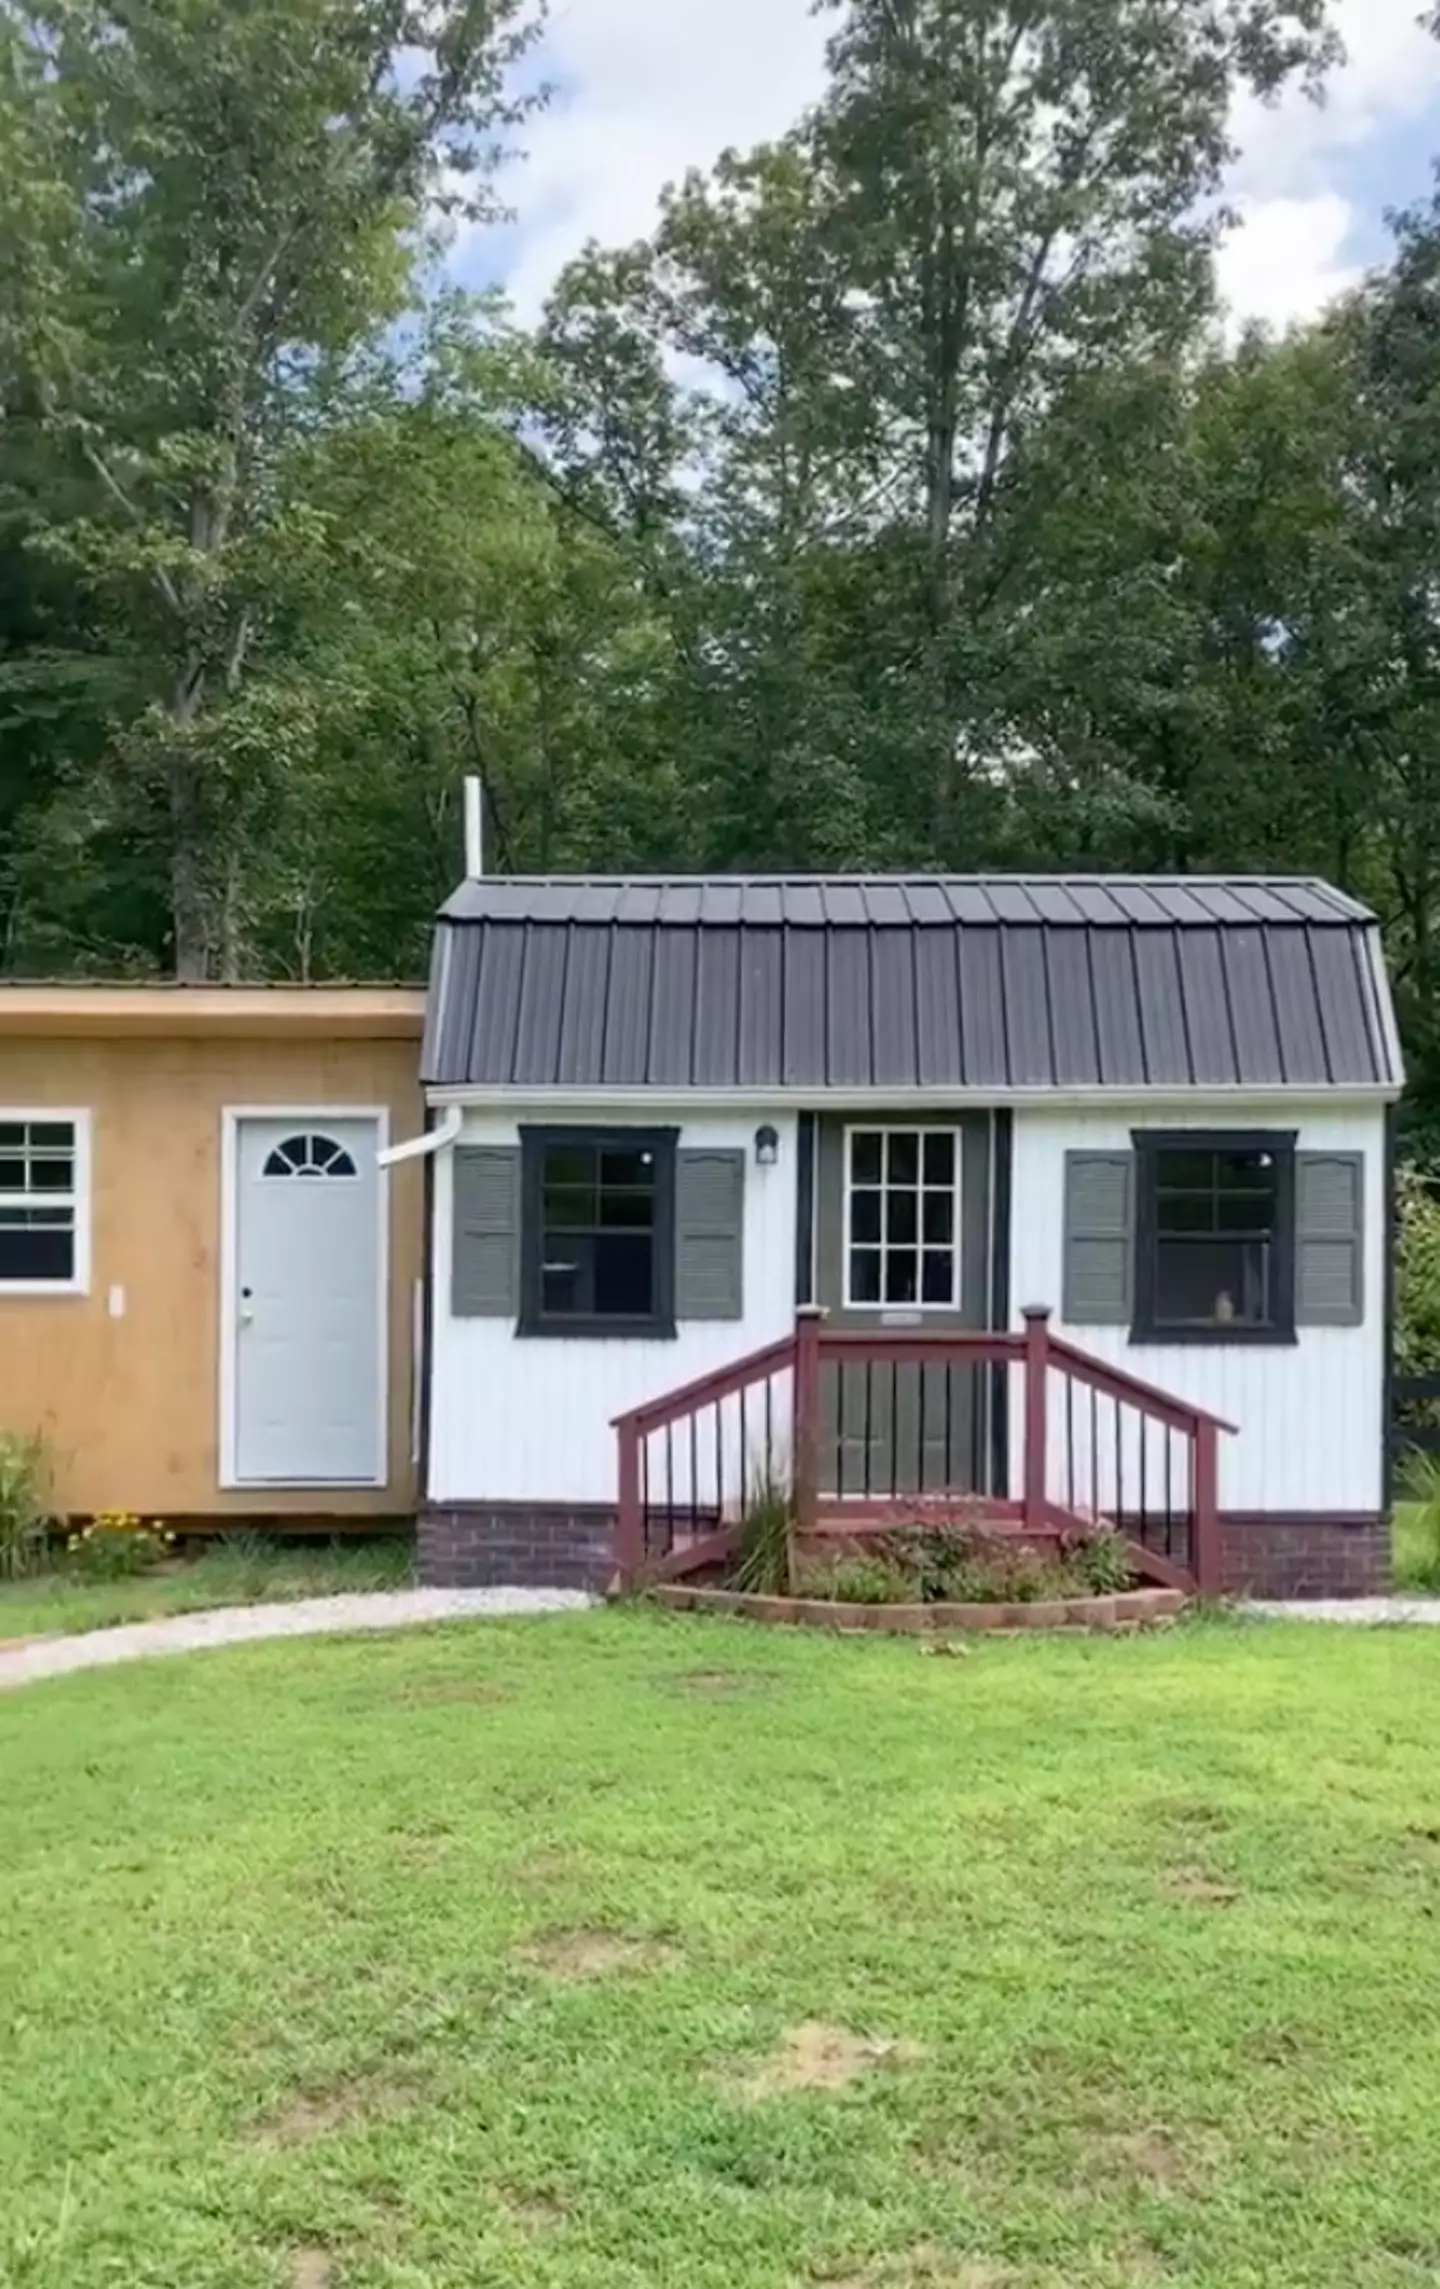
[(1362, 1611), (240, 1624)]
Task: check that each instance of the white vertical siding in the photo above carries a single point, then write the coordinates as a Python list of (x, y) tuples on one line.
[(528, 1419), (1310, 1415)]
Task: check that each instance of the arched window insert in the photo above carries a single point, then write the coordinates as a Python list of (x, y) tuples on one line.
[(310, 1155)]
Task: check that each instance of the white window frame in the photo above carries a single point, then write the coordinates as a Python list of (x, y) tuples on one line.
[(885, 1129), (77, 1200)]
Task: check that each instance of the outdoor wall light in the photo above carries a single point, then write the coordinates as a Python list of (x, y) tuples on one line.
[(767, 1146)]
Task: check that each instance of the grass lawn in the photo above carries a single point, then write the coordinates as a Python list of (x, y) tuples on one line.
[(619, 1950), (239, 1570)]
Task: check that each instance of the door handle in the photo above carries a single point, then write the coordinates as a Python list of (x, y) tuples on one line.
[(247, 1309)]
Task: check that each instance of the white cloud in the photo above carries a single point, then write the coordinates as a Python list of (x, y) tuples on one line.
[(1288, 258), (649, 88), (1285, 260)]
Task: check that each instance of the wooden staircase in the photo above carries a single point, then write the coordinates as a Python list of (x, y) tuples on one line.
[(860, 1430)]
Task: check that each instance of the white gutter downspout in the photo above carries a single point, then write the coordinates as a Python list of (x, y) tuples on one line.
[(421, 1147)]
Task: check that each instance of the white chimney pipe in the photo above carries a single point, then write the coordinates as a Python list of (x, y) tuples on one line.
[(474, 831)]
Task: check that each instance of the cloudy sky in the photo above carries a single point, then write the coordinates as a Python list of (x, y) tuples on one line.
[(645, 88)]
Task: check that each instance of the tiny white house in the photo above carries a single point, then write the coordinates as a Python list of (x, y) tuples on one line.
[(1079, 1187)]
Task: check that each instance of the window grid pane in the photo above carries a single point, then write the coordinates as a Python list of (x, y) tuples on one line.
[(37, 1157), (38, 1202), (1216, 1213), (599, 1206), (901, 1221)]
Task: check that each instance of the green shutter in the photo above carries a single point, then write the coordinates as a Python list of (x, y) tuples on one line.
[(709, 1235), (1099, 1239), (485, 1257), (1329, 1239)]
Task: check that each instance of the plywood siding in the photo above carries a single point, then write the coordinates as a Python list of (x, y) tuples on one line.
[(1310, 1415), (517, 1419), (130, 1403)]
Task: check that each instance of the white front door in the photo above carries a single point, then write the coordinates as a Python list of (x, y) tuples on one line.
[(305, 1300)]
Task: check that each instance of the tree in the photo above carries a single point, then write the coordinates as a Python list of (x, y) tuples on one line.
[(226, 202)]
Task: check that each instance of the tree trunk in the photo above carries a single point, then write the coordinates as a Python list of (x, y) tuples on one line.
[(188, 902)]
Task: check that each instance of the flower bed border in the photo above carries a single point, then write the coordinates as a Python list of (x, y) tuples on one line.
[(1129, 1609)]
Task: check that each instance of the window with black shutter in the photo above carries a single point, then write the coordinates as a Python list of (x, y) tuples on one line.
[(1215, 1237)]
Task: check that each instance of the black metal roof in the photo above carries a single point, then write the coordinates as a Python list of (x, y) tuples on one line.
[(859, 983)]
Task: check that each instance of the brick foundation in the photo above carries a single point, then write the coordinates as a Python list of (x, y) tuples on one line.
[(516, 1545), (497, 1545), (1306, 1557)]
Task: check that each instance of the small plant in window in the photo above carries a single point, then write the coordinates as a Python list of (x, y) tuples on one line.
[(24, 1489), (117, 1543)]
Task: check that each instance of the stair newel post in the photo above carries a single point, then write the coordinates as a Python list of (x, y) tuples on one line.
[(808, 1321), (630, 1525), (1037, 1373), (1207, 1556)]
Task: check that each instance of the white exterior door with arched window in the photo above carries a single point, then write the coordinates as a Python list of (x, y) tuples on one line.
[(303, 1301)]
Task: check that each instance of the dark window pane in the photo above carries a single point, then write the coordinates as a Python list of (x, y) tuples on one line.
[(865, 1157), (624, 1275), (902, 1157), (938, 1276), (560, 1288), (11, 1133), (901, 1271), (1186, 1171), (1186, 1212), (61, 1133), (1246, 1212), (632, 1211), (1245, 1170), (940, 1157), (630, 1169), (36, 1253), (901, 1217), (865, 1216), (1212, 1283), (571, 1164), (568, 1205), (567, 1273), (38, 1219), (940, 1218), (865, 1275), (12, 1175)]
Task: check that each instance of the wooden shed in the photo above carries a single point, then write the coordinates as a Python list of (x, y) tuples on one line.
[(208, 1283)]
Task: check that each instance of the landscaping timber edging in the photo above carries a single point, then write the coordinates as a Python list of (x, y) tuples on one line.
[(1128, 1609)]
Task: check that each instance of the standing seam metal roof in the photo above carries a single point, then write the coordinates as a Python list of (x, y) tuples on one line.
[(922, 982)]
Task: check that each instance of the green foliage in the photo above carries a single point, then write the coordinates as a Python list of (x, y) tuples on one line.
[(867, 1577), (1417, 1527), (765, 1562), (968, 1563), (114, 1545), (24, 1491), (892, 504), (1417, 1273), (1103, 1561)]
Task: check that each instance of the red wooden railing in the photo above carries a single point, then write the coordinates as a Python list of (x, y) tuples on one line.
[(855, 1429)]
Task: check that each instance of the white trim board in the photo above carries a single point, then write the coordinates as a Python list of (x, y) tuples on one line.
[(552, 1101), (231, 1117)]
